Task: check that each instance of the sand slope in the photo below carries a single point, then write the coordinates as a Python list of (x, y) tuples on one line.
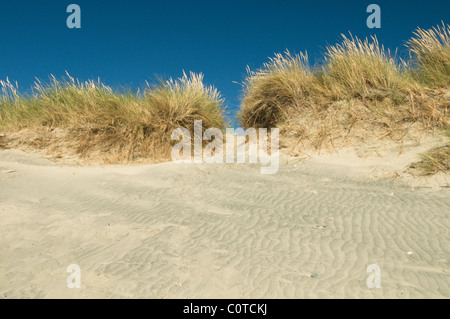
[(218, 231)]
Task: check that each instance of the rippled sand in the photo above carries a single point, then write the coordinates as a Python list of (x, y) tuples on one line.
[(218, 231)]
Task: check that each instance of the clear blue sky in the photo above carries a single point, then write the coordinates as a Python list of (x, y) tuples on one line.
[(127, 42)]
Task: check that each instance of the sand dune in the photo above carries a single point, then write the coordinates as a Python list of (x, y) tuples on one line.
[(219, 231)]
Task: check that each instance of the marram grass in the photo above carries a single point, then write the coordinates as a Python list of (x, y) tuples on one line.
[(267, 91), (360, 91), (109, 126), (356, 67), (431, 55), (434, 161)]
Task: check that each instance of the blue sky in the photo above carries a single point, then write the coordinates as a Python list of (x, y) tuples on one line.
[(128, 42)]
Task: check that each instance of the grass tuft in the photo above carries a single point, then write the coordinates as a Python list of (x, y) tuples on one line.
[(356, 67), (270, 89), (431, 55), (434, 161)]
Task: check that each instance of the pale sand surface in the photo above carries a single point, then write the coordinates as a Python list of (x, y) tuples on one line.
[(222, 231)]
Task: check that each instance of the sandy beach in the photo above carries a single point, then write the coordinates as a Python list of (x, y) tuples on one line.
[(222, 231), (225, 150)]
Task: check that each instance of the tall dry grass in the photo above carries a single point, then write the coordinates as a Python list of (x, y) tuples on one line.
[(280, 82), (360, 91), (354, 68), (431, 55), (101, 124)]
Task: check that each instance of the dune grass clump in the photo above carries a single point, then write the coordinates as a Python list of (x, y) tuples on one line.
[(431, 55), (178, 103), (353, 69), (359, 92), (356, 67), (268, 91), (111, 126), (434, 161)]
